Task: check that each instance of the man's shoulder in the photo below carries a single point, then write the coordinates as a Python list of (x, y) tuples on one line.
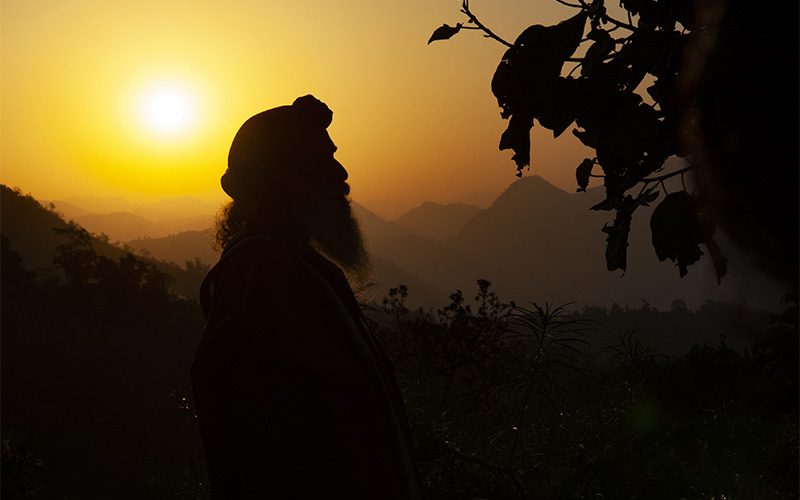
[(260, 256)]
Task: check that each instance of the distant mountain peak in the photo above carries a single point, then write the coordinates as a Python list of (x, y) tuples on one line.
[(534, 180), (530, 192), (436, 221), (100, 204), (480, 199), (429, 204)]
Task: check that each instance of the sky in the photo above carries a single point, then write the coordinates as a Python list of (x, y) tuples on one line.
[(141, 99)]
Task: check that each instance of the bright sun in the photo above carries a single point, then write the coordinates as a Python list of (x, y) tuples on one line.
[(167, 109)]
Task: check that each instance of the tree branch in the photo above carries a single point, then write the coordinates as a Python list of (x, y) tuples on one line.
[(573, 69), (619, 24), (474, 20), (577, 6), (662, 178)]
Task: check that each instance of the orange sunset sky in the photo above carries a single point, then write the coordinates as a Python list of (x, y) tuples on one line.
[(141, 99)]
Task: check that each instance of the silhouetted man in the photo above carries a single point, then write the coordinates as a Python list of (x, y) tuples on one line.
[(294, 397)]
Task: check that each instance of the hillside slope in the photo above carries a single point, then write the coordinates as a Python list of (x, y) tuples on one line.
[(179, 247), (437, 222), (539, 243), (29, 229), (187, 246)]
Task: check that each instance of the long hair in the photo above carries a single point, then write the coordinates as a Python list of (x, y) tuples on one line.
[(230, 221)]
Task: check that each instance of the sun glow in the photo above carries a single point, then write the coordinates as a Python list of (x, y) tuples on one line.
[(167, 109), (154, 130)]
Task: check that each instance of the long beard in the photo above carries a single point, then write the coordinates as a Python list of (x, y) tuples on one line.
[(335, 232)]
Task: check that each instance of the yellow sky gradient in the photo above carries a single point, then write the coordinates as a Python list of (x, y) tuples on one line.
[(413, 122)]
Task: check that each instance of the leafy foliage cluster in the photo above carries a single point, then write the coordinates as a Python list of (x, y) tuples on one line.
[(661, 46), (140, 277), (83, 363), (40, 231), (674, 331), (506, 402), (129, 276)]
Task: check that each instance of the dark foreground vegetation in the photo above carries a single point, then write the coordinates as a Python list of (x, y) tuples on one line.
[(92, 354), (508, 402), (505, 401)]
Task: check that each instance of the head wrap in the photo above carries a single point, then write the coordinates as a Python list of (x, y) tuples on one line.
[(269, 141)]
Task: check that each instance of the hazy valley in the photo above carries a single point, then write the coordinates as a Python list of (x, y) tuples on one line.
[(535, 242)]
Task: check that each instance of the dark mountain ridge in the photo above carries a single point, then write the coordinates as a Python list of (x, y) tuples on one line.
[(535, 242), (435, 221), (93, 369), (539, 243), (29, 227)]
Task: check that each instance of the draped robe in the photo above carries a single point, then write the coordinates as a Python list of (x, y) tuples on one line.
[(294, 397)]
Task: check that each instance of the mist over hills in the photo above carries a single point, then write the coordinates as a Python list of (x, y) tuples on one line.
[(188, 245), (179, 247), (480, 199), (535, 242), (29, 227), (167, 208), (99, 204), (177, 207), (539, 243), (437, 222), (374, 226), (123, 220), (391, 209), (66, 209), (124, 226)]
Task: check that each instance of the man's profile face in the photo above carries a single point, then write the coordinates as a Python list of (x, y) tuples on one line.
[(317, 162), (317, 174), (328, 218)]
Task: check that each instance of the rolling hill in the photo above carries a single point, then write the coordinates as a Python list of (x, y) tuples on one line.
[(437, 222), (539, 243), (123, 220), (124, 226), (29, 229), (189, 245), (536, 242)]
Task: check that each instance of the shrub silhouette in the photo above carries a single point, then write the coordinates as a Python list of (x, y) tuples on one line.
[(506, 402), (129, 278)]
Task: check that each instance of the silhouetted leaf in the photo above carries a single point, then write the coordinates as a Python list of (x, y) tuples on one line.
[(607, 204), (631, 5), (657, 52), (527, 76), (621, 123), (653, 13), (444, 32), (517, 137), (646, 198), (582, 174), (598, 51), (559, 110), (586, 138), (679, 224)]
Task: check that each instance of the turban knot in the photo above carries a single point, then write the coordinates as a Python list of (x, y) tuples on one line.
[(270, 140)]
